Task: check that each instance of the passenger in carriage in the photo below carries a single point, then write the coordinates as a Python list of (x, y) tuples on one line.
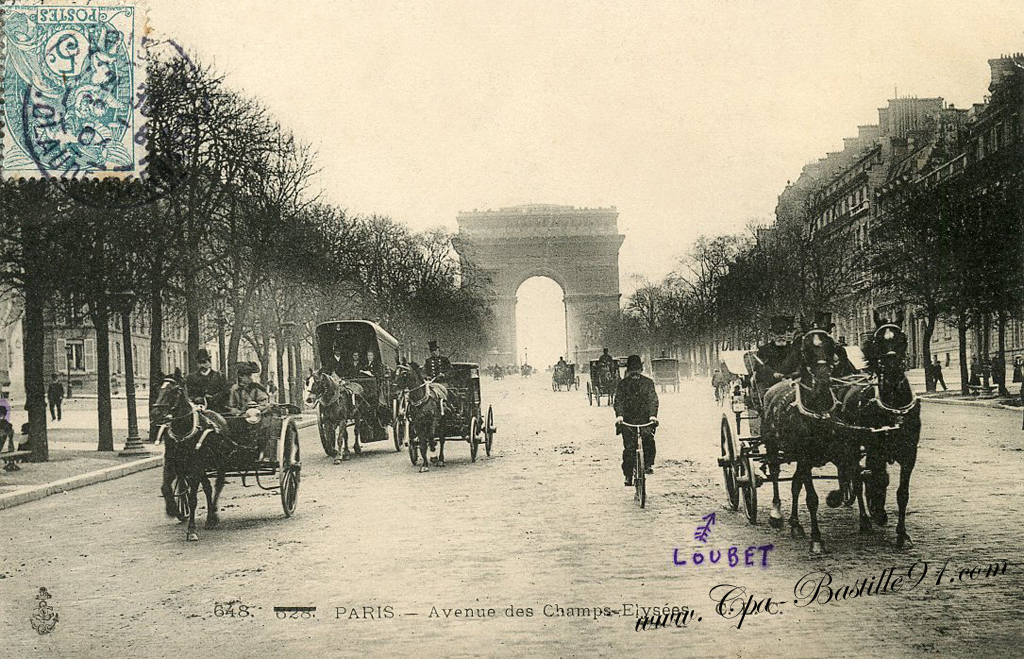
[(247, 390), (376, 369), (351, 367)]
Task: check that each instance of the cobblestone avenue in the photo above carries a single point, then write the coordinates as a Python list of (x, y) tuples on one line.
[(546, 525)]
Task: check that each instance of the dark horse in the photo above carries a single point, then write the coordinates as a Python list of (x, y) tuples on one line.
[(797, 428), (336, 399), (424, 398), (191, 435), (884, 416)]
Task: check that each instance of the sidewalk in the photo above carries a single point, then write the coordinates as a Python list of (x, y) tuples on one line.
[(952, 395), (74, 462)]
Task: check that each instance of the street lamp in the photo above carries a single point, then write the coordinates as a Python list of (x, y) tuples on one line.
[(133, 445), (221, 321)]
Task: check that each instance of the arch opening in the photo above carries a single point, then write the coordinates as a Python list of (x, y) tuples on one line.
[(540, 322)]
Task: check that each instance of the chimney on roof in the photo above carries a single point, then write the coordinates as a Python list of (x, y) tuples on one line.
[(1003, 68)]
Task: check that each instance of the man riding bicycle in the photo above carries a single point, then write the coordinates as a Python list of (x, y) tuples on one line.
[(636, 403)]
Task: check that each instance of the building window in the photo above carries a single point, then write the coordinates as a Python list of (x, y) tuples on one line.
[(76, 355), (117, 356)]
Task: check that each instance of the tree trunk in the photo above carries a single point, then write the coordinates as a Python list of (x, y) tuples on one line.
[(279, 349), (34, 342), (300, 377), (129, 373), (961, 335), (986, 339), (1001, 355), (194, 338), (156, 349), (101, 321), (926, 351), (265, 375)]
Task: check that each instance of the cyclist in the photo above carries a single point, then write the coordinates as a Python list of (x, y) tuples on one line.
[(636, 402)]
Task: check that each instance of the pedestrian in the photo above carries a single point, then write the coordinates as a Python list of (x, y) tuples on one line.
[(937, 378), (975, 380), (636, 403), (999, 374), (55, 394), (1018, 369), (6, 432)]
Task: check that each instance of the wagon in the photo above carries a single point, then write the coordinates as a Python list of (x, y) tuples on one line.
[(273, 433), (744, 459), (666, 373), (464, 418), (564, 376), (379, 410), (604, 378)]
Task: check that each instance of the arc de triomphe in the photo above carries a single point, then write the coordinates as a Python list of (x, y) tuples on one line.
[(576, 247)]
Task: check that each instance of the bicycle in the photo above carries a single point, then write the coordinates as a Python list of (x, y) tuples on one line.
[(639, 474)]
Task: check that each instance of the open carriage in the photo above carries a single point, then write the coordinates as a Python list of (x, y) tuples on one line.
[(604, 378), (564, 375), (342, 347), (744, 458), (463, 418)]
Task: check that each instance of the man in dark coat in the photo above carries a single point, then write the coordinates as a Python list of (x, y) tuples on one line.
[(778, 358), (55, 394), (207, 383), (636, 402), (437, 366)]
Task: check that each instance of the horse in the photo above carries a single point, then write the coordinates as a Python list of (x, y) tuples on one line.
[(425, 398), (884, 416), (337, 401), (191, 434), (797, 427)]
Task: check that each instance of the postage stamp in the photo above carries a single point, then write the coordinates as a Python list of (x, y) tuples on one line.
[(73, 80)]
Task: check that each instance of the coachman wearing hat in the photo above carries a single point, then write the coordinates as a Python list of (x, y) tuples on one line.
[(636, 402), (778, 358), (437, 366), (246, 390), (207, 383)]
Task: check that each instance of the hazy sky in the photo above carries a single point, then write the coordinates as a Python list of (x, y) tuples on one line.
[(688, 116)]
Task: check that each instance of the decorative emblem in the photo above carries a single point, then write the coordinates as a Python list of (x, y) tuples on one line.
[(45, 618)]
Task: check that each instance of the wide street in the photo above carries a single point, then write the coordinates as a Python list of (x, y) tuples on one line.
[(540, 530)]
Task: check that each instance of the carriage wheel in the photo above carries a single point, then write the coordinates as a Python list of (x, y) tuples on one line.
[(328, 433), (747, 480), (474, 441), (489, 431), (395, 426), (590, 394), (414, 456), (180, 490), (289, 470), (728, 461)]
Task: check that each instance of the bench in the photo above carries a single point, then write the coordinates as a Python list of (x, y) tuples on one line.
[(10, 459)]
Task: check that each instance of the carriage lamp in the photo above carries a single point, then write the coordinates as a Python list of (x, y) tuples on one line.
[(253, 415)]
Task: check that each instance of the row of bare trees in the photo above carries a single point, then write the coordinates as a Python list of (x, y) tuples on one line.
[(224, 223)]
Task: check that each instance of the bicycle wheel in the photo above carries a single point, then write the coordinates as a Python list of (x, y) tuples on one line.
[(639, 476)]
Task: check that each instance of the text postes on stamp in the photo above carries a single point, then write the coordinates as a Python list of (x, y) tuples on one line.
[(71, 89)]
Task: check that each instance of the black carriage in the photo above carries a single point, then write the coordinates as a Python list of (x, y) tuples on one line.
[(564, 375), (379, 409), (262, 445), (666, 373), (463, 418), (604, 378), (744, 458)]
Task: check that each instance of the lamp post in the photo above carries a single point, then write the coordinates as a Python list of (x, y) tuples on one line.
[(222, 321), (133, 445)]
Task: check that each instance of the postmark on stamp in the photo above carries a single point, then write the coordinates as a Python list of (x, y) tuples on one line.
[(72, 80)]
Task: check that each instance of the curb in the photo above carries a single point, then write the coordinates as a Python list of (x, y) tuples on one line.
[(970, 403), (37, 492), (74, 482)]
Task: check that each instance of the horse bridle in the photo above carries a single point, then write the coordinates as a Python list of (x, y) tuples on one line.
[(320, 399), (193, 412)]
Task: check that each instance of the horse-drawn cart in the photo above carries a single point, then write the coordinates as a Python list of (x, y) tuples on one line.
[(666, 373), (463, 417), (564, 375), (604, 378), (353, 387)]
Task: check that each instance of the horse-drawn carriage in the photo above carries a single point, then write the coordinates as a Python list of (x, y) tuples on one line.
[(462, 417), (604, 378), (255, 443), (859, 422), (353, 386), (564, 375), (666, 373)]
